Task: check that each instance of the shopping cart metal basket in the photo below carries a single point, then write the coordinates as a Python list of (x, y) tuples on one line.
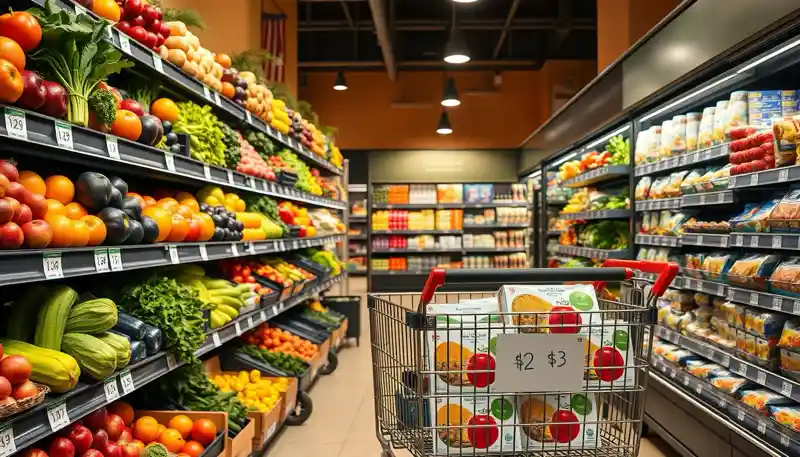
[(463, 373)]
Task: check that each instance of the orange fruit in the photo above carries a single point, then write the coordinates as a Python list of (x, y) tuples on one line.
[(161, 429), (192, 448), (107, 9), (165, 109), (11, 51), (122, 409), (180, 227), (185, 211), (55, 207), (183, 424), (80, 233), (184, 196), (206, 226), (228, 90), (127, 125), (172, 440), (59, 188), (62, 230), (223, 59), (148, 201), (75, 211), (169, 204), (32, 181), (204, 431), (97, 234), (163, 219), (145, 429), (11, 84), (138, 444), (191, 203)]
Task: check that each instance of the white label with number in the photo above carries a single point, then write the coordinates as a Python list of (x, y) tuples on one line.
[(249, 322), (702, 199), (796, 308), (207, 171), (112, 147), (217, 101), (207, 93), (251, 182), (263, 315), (762, 427), (57, 416), (753, 241), (785, 442), (539, 362), (248, 116), (699, 239), (740, 415), (126, 381), (234, 250), (16, 126), (115, 259), (64, 134), (110, 389), (124, 43), (761, 377), (783, 175), (230, 177), (753, 298), (732, 182), (238, 328), (786, 388), (739, 240), (270, 431), (169, 160), (699, 389), (51, 263), (101, 261), (157, 64), (216, 340), (7, 444), (777, 303), (203, 252), (173, 255), (251, 248), (754, 179), (777, 241), (171, 362)]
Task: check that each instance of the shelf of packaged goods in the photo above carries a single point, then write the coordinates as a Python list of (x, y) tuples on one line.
[(449, 205), (790, 241), (682, 161), (554, 233), (417, 232), (37, 137), (22, 266), (597, 175), (495, 226), (765, 300), (724, 197), (356, 237), (701, 285), (598, 214), (754, 424), (713, 240), (358, 219), (26, 428), (448, 250), (786, 387), (593, 253), (654, 205), (765, 178), (658, 240)]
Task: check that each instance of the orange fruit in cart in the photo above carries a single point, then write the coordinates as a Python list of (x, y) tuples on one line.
[(59, 188), (183, 424)]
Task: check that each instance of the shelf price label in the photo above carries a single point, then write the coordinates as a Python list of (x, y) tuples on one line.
[(57, 416), (249, 322), (234, 250), (216, 340), (777, 303), (101, 261), (217, 100), (171, 362), (783, 175), (173, 254), (230, 177), (16, 126), (126, 381), (238, 328), (8, 445), (125, 43), (762, 427), (203, 252), (157, 64), (263, 315), (169, 160), (786, 389), (754, 299), (115, 259), (110, 389), (761, 377), (207, 93), (785, 441), (112, 147), (251, 248), (64, 134), (51, 263), (754, 179), (754, 241), (207, 171), (777, 241), (539, 362), (248, 116)]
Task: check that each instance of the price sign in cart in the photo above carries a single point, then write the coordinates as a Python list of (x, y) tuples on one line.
[(528, 362)]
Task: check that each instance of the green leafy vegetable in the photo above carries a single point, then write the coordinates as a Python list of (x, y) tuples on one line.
[(233, 150), (261, 143), (205, 133), (104, 105)]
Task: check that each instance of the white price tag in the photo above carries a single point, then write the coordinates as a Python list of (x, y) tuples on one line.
[(740, 415), (171, 362), (783, 175), (539, 362), (721, 291), (725, 360), (753, 298), (740, 369), (112, 147), (16, 126), (230, 177), (249, 322), (169, 160), (777, 241), (761, 377), (101, 261), (686, 381), (207, 171), (173, 255), (203, 252), (57, 416), (251, 182), (271, 431), (762, 427), (754, 179), (216, 340), (796, 308), (263, 315), (51, 263), (157, 64), (110, 389), (786, 389), (777, 303), (251, 248), (238, 328), (217, 100), (702, 199), (699, 389), (207, 94), (124, 43), (753, 241), (126, 381), (248, 116), (234, 250), (64, 134), (732, 182), (739, 240), (699, 239), (8, 445), (115, 259), (785, 441)]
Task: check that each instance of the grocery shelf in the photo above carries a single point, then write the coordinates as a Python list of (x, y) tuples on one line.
[(554, 233), (598, 214), (33, 425), (441, 250), (724, 197), (683, 161), (358, 219), (495, 226), (658, 240), (597, 175), (23, 265), (765, 300), (356, 237), (701, 285), (713, 240), (593, 253), (663, 203), (765, 178), (790, 241), (448, 205), (416, 232)]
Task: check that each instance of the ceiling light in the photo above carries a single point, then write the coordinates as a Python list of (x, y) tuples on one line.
[(444, 125), (456, 50), (450, 96), (340, 83), (464, 1)]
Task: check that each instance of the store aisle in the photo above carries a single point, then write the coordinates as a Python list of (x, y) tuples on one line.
[(343, 424)]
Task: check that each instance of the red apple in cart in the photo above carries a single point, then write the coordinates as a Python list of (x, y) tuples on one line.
[(564, 319), (608, 363), (485, 365), (482, 431), (565, 426)]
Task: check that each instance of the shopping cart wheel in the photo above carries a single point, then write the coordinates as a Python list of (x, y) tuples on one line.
[(330, 367), (302, 411)]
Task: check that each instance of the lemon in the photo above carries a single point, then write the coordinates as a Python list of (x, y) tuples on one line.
[(255, 375)]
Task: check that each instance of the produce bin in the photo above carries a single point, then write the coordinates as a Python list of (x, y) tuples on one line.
[(314, 334), (220, 420), (282, 292), (290, 399), (349, 306)]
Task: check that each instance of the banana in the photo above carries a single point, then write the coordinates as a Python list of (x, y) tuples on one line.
[(218, 319), (229, 301), (212, 284), (228, 310)]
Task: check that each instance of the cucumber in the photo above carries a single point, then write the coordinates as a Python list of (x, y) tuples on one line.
[(152, 339), (129, 325), (138, 351)]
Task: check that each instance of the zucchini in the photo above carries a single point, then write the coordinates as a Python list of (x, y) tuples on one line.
[(92, 316), (24, 313), (96, 358), (53, 317), (153, 338), (129, 325), (121, 346), (138, 351)]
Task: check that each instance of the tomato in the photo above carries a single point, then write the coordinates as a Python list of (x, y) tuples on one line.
[(564, 319), (165, 109), (75, 211), (97, 231), (192, 449), (204, 431), (11, 84), (485, 364), (180, 228), (62, 230), (608, 364), (33, 182), (23, 28), (183, 424), (565, 426), (206, 226), (59, 188), (107, 9), (12, 51), (80, 233), (482, 431), (127, 125), (145, 429), (163, 219)]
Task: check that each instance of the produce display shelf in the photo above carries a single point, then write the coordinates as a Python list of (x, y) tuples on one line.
[(765, 178), (495, 226), (765, 300), (755, 425), (662, 203), (724, 197), (713, 240), (456, 250), (790, 241), (35, 424), (597, 175), (593, 253), (598, 214), (448, 205), (658, 240), (416, 232), (86, 146), (682, 161), (786, 387), (23, 266)]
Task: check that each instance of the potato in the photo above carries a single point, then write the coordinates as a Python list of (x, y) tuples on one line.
[(190, 67), (176, 42), (176, 29), (177, 57), (163, 51)]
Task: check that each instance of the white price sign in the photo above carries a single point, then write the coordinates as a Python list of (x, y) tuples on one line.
[(754, 179), (171, 362), (216, 340), (740, 415), (234, 250), (207, 94), (271, 431), (230, 177), (761, 377), (112, 147), (169, 160), (203, 252), (777, 241), (754, 299), (248, 116), (249, 322), (754, 241), (57, 416), (15, 123), (125, 43), (785, 441), (173, 255), (64, 134), (739, 240), (238, 328), (539, 362), (217, 101), (251, 248), (110, 389), (51, 262), (796, 308), (777, 303), (783, 175), (7, 444), (207, 171), (263, 315), (126, 381), (786, 388), (115, 259), (762, 427), (101, 261), (157, 64)]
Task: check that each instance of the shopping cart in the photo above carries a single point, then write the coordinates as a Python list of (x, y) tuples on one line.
[(434, 365)]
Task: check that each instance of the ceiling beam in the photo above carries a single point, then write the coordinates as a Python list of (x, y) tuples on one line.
[(378, 9), (347, 14), (564, 21), (511, 13), (435, 26)]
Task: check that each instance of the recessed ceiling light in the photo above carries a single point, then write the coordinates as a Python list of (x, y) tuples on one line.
[(444, 127), (450, 96), (340, 83)]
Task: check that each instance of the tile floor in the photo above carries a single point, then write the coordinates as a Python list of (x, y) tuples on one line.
[(343, 424)]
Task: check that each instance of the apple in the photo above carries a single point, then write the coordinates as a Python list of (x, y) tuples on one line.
[(37, 234), (126, 435), (565, 426), (132, 106), (129, 450), (5, 388), (91, 453), (124, 26), (165, 31), (564, 319), (38, 205), (34, 452), (608, 363), (6, 211), (150, 39), (133, 8), (482, 431), (138, 33), (61, 447), (114, 426), (485, 365), (11, 236), (111, 449), (150, 14), (99, 438), (55, 100), (96, 419), (81, 437), (137, 21), (17, 191), (155, 26), (24, 215), (9, 170), (33, 93)]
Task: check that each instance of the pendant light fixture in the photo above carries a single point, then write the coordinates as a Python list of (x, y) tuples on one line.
[(450, 96), (340, 83), (456, 51), (464, 1), (444, 127)]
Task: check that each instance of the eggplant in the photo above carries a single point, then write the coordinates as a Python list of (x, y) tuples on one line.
[(152, 130), (153, 338), (135, 232), (117, 223), (116, 198), (121, 185), (130, 326), (138, 352), (132, 207), (150, 228), (93, 191)]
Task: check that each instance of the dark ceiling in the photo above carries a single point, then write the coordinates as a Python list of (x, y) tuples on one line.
[(500, 34)]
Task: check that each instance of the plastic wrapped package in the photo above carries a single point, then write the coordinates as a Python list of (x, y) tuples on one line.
[(787, 135), (785, 217), (703, 313), (730, 384), (693, 264), (642, 190), (788, 416), (736, 114), (716, 265), (764, 323), (717, 301), (673, 187), (688, 184), (737, 315), (790, 335), (678, 145), (642, 254), (706, 370), (663, 222), (725, 343), (654, 143), (648, 226), (672, 225), (698, 329), (762, 399), (755, 217), (705, 133), (720, 111), (761, 350), (753, 271), (640, 149), (719, 178), (658, 188), (661, 347), (685, 299), (790, 364), (680, 356), (741, 340), (786, 277), (665, 144), (664, 314), (702, 299), (662, 255)]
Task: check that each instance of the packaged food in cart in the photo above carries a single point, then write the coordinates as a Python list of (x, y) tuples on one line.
[(558, 308), (475, 423), (609, 356), (557, 421)]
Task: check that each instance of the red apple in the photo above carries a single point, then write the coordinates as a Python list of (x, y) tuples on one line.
[(81, 437), (34, 452), (38, 205), (37, 234), (16, 190), (24, 215), (111, 449), (150, 14), (150, 40), (61, 447), (6, 211), (564, 319), (565, 426), (482, 431), (114, 426), (126, 435), (11, 236), (132, 106), (5, 388), (137, 21), (485, 365), (4, 182), (96, 419), (129, 450), (91, 453), (9, 170), (133, 8), (99, 438)]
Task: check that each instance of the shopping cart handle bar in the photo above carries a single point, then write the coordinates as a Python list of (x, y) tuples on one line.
[(666, 271), (440, 276)]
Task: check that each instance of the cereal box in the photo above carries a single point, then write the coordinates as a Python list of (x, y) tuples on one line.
[(557, 421), (559, 308), (475, 425)]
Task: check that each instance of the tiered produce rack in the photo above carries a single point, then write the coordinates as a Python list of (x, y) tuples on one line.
[(693, 414), (51, 146)]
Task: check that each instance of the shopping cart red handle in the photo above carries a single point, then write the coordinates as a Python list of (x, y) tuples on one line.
[(666, 272), (439, 276)]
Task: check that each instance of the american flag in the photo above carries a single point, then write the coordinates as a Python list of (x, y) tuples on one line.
[(273, 40)]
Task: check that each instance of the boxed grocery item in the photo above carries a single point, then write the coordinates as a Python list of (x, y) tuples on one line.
[(785, 280), (753, 271), (449, 193), (478, 193), (678, 144), (608, 356), (785, 217), (483, 423), (558, 421), (553, 305)]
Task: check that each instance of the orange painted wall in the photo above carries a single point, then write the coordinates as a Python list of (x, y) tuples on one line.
[(488, 119)]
